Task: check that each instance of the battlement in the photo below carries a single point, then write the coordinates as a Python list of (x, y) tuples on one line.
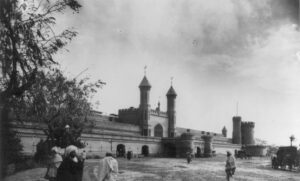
[(237, 118), (128, 111), (248, 124), (158, 113)]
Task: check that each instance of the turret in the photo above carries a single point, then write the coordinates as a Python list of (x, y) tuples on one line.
[(144, 106), (158, 107), (224, 131), (236, 133), (171, 96), (248, 133)]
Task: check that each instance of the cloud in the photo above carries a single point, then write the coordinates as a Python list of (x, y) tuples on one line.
[(190, 26), (219, 51)]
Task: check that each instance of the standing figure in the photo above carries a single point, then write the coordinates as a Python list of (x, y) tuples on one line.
[(129, 155), (188, 157), (230, 166), (54, 163), (108, 168), (72, 166)]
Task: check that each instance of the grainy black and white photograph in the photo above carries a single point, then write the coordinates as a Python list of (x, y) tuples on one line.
[(150, 90)]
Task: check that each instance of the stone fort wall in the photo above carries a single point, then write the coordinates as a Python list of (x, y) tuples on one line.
[(97, 142), (248, 133), (130, 116)]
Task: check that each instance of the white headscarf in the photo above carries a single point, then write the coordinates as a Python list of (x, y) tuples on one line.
[(55, 149), (56, 158), (69, 149)]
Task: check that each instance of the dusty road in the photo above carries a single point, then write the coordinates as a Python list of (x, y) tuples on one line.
[(170, 169)]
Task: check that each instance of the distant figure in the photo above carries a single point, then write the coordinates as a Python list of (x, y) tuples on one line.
[(108, 168), (129, 155), (53, 165), (230, 166), (72, 166), (235, 153), (188, 157), (274, 161)]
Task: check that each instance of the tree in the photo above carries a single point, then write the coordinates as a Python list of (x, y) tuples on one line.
[(27, 44), (57, 101), (28, 41), (292, 138)]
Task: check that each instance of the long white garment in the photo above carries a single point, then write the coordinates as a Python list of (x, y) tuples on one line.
[(230, 162), (108, 169)]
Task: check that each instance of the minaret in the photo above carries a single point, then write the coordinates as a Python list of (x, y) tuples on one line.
[(171, 96), (144, 105)]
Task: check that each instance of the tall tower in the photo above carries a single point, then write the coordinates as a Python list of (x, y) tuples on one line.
[(171, 96), (144, 106), (248, 133), (236, 133)]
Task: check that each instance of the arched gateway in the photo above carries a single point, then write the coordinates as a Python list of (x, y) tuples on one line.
[(145, 150), (121, 150)]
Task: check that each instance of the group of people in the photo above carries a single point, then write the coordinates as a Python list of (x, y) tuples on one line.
[(71, 167)]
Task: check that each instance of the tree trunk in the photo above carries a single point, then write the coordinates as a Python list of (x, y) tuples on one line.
[(3, 118)]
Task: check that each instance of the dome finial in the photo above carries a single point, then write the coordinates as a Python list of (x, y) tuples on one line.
[(172, 80)]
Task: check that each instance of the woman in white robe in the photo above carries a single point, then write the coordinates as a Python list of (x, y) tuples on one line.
[(108, 168)]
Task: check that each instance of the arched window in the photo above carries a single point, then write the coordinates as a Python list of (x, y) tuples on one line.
[(158, 131)]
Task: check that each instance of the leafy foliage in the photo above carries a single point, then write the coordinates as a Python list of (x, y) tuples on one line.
[(57, 101), (27, 44), (28, 40)]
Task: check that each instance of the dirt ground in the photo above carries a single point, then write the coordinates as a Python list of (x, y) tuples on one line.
[(171, 169)]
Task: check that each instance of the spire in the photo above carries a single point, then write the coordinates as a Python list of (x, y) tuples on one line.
[(171, 92), (145, 70), (145, 83), (237, 109)]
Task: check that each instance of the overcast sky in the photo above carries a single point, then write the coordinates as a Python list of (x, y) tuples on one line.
[(219, 52)]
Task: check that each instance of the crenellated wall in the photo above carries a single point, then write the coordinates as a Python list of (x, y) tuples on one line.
[(248, 133), (198, 133), (99, 141), (158, 113), (130, 116)]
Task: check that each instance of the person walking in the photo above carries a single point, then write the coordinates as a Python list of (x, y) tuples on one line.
[(188, 157), (72, 166), (54, 164), (108, 168), (230, 166)]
